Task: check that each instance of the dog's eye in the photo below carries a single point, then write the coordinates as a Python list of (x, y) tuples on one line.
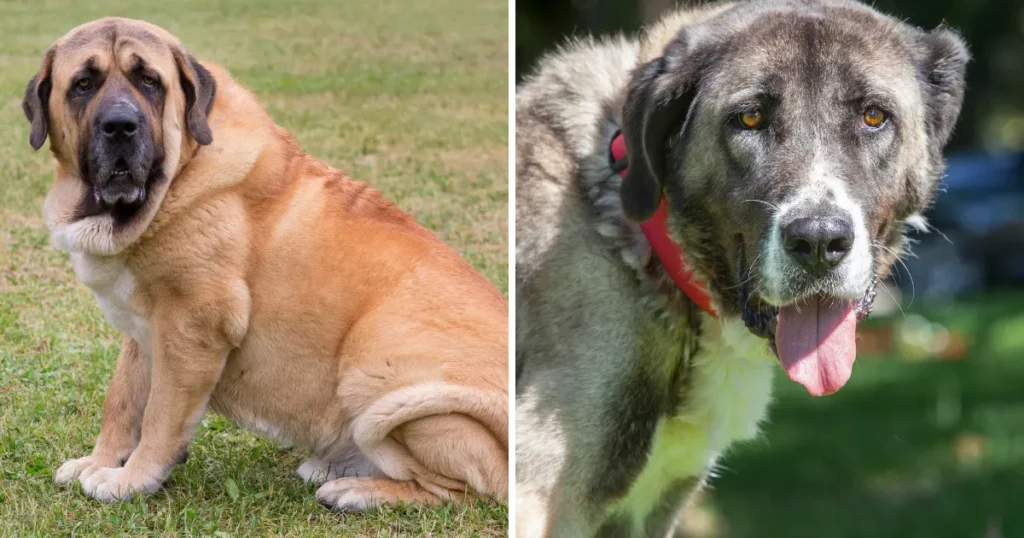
[(751, 119), (83, 84), (874, 117), (148, 80)]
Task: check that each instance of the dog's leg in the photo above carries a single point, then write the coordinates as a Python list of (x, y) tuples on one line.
[(435, 435), (446, 458), (189, 354), (458, 449), (122, 416), (362, 494)]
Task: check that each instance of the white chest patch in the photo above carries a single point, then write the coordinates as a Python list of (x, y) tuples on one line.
[(726, 399), (113, 286)]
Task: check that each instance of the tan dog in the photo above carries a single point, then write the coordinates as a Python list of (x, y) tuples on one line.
[(249, 276)]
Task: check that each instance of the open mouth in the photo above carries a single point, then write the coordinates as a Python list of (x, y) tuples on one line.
[(120, 189), (120, 169), (120, 195), (814, 337)]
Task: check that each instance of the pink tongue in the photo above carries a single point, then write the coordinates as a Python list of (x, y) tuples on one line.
[(817, 344)]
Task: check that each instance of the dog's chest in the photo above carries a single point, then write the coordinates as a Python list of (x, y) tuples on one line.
[(725, 399), (113, 285)]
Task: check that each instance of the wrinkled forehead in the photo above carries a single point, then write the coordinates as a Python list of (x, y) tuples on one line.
[(113, 45), (829, 55)]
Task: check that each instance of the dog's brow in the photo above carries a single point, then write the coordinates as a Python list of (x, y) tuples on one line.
[(747, 95), (89, 67), (873, 96)]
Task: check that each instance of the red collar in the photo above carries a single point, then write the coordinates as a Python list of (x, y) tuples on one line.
[(668, 252)]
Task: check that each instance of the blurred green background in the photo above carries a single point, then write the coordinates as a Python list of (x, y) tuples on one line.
[(927, 439)]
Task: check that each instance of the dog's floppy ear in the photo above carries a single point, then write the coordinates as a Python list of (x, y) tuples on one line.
[(36, 103), (943, 69), (200, 90), (658, 102)]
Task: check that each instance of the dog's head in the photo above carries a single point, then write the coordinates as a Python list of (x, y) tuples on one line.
[(113, 95), (794, 142)]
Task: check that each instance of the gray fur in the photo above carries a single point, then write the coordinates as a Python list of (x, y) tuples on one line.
[(604, 340)]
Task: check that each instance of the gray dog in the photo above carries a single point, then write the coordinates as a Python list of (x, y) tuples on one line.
[(793, 144)]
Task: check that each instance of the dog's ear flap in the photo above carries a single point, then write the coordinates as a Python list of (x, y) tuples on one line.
[(658, 101), (36, 103), (200, 90), (944, 68)]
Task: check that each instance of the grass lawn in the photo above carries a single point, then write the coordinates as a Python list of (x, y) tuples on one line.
[(409, 96), (908, 449)]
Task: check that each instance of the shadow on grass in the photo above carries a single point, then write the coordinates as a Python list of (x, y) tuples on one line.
[(906, 449)]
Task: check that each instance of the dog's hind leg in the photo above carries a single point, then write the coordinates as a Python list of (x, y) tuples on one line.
[(457, 451), (447, 440), (453, 458), (361, 494)]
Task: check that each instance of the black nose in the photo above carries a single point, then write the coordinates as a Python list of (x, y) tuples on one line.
[(818, 243), (119, 124)]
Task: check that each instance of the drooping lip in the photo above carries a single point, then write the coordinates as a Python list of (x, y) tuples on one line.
[(128, 196)]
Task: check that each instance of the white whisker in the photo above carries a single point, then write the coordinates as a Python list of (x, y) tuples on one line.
[(769, 204), (913, 287)]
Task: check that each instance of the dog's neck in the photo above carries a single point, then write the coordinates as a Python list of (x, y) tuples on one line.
[(668, 251), (626, 238)]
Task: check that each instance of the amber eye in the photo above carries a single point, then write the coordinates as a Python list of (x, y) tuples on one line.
[(83, 83), (148, 80), (751, 119), (873, 117)]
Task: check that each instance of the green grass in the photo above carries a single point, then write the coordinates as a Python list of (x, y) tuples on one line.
[(409, 96), (909, 448)]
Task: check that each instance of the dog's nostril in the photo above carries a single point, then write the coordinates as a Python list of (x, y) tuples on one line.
[(840, 244), (801, 247)]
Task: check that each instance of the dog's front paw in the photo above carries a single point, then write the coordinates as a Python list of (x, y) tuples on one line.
[(118, 484), (71, 470)]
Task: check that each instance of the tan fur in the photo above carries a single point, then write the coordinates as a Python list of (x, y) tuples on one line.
[(285, 295)]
